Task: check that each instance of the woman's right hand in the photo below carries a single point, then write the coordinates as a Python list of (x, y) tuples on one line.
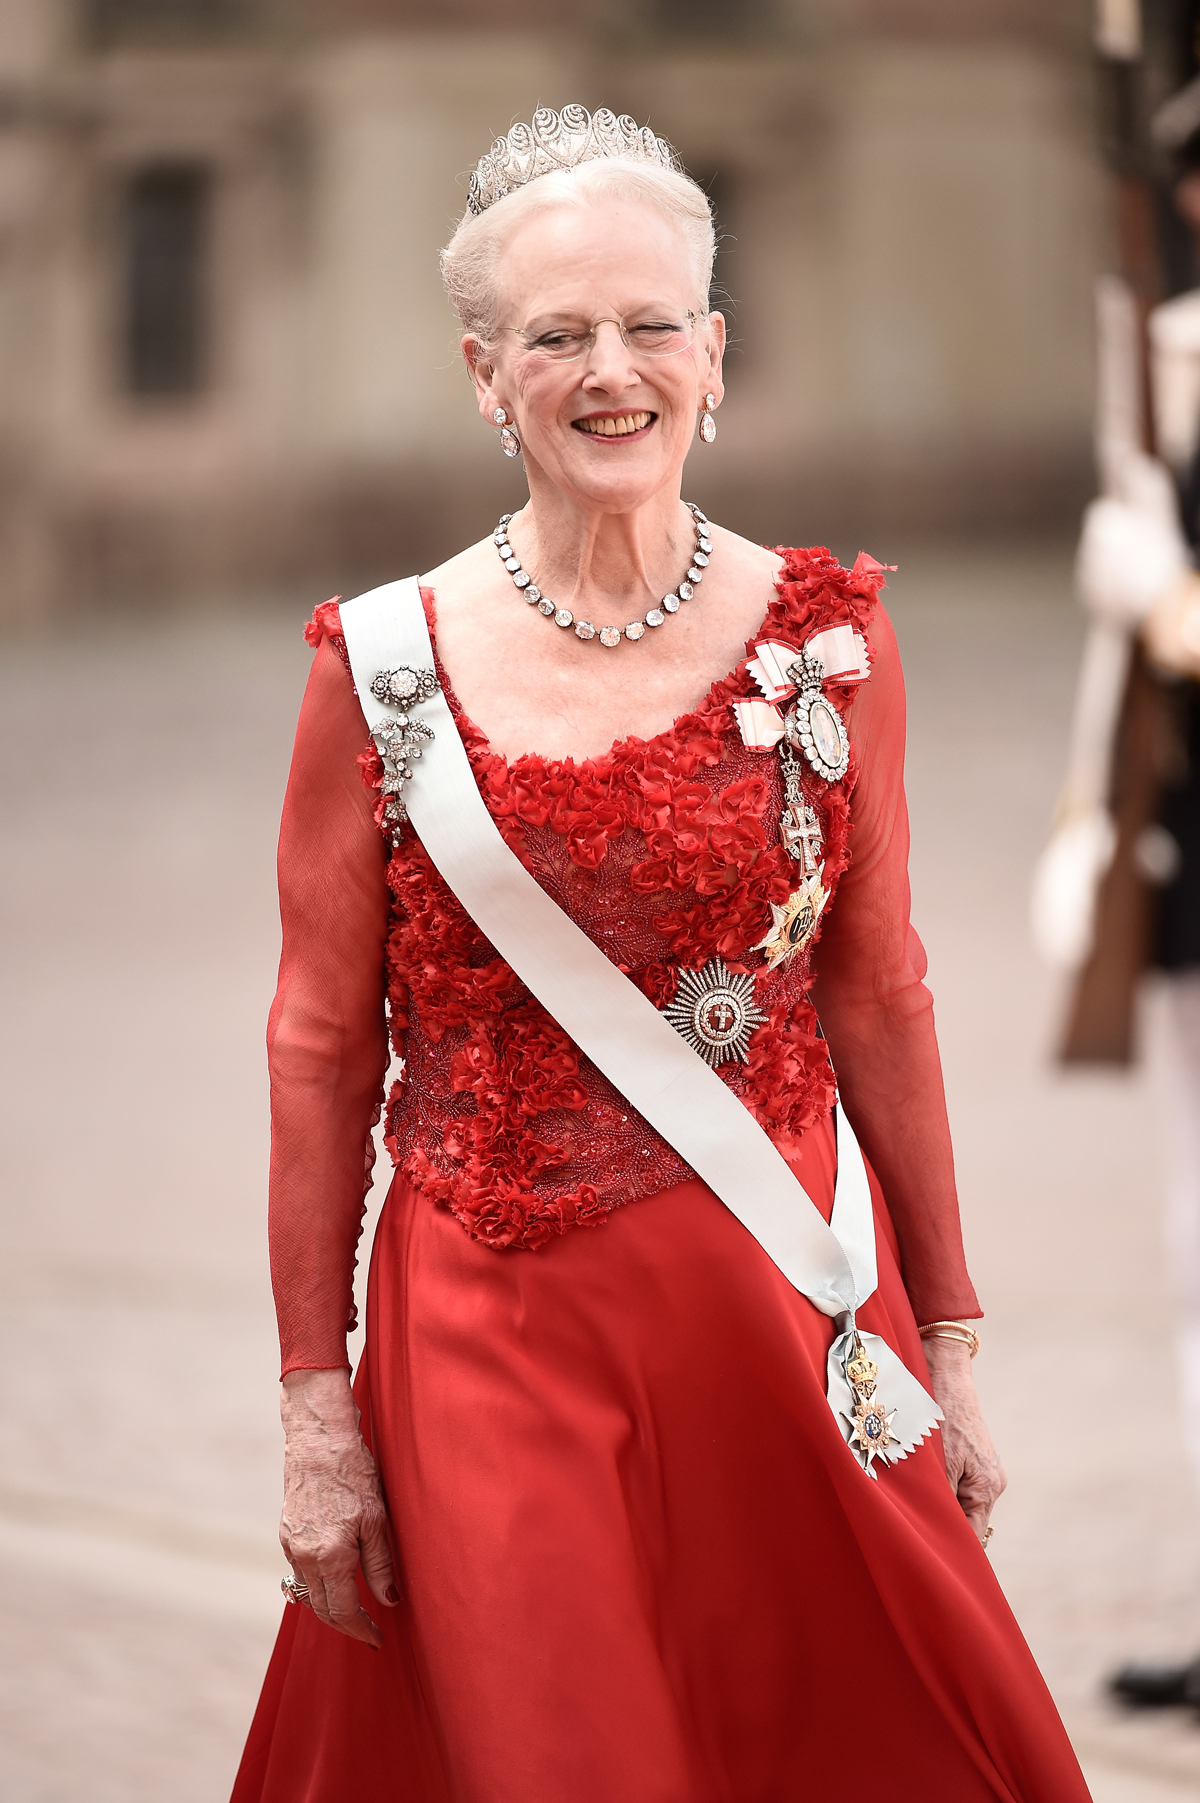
[(333, 1514)]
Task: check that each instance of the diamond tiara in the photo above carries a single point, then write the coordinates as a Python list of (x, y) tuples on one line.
[(561, 141)]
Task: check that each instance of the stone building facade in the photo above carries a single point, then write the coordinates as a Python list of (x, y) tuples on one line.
[(227, 368)]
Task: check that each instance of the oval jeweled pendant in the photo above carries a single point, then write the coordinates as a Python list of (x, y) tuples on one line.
[(814, 728), (708, 428), (824, 729), (584, 629)]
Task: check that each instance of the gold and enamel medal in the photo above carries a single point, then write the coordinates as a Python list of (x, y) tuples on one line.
[(792, 925), (870, 1420)]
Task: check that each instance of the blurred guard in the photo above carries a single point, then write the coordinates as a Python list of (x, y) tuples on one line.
[(1132, 795)]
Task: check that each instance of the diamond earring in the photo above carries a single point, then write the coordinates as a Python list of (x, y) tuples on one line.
[(708, 425), (510, 444)]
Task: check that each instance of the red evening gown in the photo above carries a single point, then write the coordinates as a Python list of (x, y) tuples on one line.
[(639, 1563)]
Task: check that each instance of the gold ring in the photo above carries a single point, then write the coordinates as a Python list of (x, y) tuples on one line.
[(988, 1531), (294, 1588)]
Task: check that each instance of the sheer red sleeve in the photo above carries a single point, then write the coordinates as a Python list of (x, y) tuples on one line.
[(877, 1013), (327, 1038)]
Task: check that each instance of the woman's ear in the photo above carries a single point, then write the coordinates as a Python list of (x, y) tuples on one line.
[(482, 372), (712, 383)]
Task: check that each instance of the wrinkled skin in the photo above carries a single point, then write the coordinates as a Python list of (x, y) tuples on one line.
[(333, 1515), (972, 1464)]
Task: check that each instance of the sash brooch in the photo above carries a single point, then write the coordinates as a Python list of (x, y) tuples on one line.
[(398, 737)]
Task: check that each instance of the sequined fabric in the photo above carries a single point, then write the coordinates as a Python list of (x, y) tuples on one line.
[(665, 852)]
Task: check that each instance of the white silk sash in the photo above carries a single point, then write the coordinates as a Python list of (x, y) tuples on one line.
[(622, 1032)]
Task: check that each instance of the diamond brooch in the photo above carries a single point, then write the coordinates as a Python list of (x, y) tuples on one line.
[(609, 636), (814, 727), (399, 740), (404, 687), (715, 1011)]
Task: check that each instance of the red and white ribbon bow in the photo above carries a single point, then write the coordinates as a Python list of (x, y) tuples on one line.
[(843, 657)]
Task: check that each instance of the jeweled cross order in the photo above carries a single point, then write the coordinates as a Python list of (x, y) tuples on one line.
[(802, 836)]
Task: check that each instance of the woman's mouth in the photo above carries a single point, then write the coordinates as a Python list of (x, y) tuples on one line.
[(613, 425)]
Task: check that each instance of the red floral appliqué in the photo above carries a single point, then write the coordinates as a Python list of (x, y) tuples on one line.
[(665, 851)]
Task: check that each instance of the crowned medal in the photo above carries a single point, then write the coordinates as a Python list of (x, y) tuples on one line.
[(869, 1419), (813, 725), (812, 733)]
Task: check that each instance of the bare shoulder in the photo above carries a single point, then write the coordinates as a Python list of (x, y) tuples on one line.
[(743, 558), (742, 585), (463, 570)]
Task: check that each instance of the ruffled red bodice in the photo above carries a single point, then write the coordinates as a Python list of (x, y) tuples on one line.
[(665, 851)]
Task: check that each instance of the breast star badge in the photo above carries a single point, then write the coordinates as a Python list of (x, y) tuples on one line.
[(715, 1011), (792, 925)]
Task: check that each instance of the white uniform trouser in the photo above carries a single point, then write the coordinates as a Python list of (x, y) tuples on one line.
[(1183, 1188)]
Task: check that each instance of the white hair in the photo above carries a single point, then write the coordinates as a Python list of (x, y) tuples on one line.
[(470, 260)]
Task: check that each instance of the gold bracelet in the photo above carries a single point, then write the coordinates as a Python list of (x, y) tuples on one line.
[(951, 1330)]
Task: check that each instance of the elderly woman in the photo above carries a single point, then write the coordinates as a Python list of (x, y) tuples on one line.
[(637, 1494)]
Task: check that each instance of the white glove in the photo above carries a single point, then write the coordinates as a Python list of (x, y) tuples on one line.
[(1131, 547), (1066, 881)]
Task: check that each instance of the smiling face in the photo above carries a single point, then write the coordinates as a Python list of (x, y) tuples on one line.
[(612, 427)]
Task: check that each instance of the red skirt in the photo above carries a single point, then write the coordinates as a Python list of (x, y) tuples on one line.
[(639, 1562)]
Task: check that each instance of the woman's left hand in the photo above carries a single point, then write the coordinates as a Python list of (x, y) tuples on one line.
[(972, 1462)]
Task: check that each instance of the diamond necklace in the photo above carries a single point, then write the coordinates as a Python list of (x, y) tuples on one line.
[(608, 635)]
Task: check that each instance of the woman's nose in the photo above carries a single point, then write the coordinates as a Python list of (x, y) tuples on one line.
[(609, 363)]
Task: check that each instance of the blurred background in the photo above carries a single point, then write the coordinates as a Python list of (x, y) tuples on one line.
[(229, 386), (228, 364)]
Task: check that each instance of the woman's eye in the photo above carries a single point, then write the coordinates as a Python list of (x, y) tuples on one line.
[(651, 330)]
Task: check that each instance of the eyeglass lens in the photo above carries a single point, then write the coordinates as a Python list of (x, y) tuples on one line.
[(653, 337)]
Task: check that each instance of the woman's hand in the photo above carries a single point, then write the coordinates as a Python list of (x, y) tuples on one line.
[(333, 1514), (972, 1463)]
